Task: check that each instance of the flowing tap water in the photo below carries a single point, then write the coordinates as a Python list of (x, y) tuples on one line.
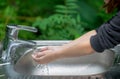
[(41, 69)]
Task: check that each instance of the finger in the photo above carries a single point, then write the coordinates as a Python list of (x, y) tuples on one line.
[(38, 60), (33, 56), (41, 49), (44, 48), (37, 55)]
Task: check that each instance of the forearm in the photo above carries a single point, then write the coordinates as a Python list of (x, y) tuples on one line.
[(78, 47)]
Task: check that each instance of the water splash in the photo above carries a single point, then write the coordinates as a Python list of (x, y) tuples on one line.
[(41, 69)]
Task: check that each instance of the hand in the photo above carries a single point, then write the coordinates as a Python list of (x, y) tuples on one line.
[(76, 48), (47, 54)]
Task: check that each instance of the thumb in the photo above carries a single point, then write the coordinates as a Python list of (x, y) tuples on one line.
[(37, 55), (43, 48)]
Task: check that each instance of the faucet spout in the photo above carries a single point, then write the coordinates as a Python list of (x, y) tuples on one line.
[(11, 42), (14, 45), (13, 30)]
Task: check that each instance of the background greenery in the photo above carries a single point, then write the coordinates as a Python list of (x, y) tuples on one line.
[(55, 19)]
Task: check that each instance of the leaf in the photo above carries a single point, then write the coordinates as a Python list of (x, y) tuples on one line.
[(9, 12), (37, 22), (72, 5), (70, 1), (60, 7), (73, 22), (78, 18), (66, 11)]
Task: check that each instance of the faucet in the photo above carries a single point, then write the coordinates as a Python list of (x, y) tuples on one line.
[(11, 43)]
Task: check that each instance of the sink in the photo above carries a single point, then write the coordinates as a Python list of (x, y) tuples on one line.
[(94, 64), (85, 65)]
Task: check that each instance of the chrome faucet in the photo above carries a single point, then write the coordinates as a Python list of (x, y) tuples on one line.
[(11, 43)]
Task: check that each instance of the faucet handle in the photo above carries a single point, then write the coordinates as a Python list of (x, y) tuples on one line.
[(14, 29), (22, 27)]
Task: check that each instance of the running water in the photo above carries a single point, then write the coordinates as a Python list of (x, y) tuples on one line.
[(41, 69)]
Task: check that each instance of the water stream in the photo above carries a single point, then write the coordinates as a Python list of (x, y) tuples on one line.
[(41, 69)]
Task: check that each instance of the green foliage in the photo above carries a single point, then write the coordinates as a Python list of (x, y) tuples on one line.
[(24, 13), (69, 7), (92, 14), (2, 31), (56, 19), (9, 12), (65, 24), (59, 26)]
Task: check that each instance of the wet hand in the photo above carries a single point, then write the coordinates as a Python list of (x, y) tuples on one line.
[(47, 54)]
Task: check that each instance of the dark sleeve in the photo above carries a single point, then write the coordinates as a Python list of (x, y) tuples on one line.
[(108, 35)]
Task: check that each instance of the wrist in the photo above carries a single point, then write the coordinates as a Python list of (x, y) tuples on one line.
[(63, 52), (60, 53)]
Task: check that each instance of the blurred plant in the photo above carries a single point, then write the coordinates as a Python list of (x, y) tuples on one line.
[(23, 13), (64, 24), (2, 31), (92, 14), (9, 14), (79, 16)]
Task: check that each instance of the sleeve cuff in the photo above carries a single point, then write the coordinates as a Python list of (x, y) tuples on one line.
[(95, 43)]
